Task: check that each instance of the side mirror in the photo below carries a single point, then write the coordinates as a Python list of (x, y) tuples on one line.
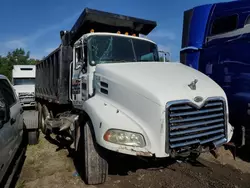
[(164, 56), (79, 64), (4, 113)]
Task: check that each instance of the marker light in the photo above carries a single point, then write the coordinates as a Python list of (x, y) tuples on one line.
[(126, 33), (92, 31), (119, 32), (134, 35)]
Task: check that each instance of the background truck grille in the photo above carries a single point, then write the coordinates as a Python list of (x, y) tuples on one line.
[(26, 95), (188, 126)]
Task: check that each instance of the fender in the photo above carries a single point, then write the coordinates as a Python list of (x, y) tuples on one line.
[(105, 116), (230, 132)]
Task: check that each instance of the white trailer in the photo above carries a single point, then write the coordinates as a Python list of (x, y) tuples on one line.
[(23, 80)]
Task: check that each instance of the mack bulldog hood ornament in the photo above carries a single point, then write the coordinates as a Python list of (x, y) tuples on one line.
[(192, 85)]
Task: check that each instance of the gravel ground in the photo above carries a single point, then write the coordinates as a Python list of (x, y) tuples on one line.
[(48, 165)]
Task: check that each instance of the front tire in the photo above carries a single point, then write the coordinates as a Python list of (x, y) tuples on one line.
[(95, 167)]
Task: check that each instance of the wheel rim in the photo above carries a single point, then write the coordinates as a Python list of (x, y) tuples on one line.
[(42, 125)]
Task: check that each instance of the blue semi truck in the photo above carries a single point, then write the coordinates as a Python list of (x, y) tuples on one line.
[(216, 41)]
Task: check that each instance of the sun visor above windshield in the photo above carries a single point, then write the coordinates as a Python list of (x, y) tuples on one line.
[(101, 21)]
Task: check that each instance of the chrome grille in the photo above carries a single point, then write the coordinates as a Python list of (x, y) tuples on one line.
[(23, 95), (189, 126)]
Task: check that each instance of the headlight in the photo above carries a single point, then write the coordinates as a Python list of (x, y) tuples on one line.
[(124, 138)]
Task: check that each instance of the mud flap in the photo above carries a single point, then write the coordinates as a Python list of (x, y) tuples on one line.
[(231, 147)]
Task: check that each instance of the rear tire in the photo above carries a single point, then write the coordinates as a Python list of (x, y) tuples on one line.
[(95, 167), (33, 137), (39, 109), (44, 114)]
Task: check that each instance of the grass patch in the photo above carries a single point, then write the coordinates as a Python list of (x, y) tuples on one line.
[(20, 184)]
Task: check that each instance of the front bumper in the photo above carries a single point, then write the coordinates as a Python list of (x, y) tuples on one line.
[(27, 102)]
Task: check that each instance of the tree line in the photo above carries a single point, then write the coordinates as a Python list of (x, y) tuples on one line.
[(19, 57), (16, 57)]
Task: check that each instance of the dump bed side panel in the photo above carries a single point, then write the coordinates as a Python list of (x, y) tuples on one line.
[(52, 76)]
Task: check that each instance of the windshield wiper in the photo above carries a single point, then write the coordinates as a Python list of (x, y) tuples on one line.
[(115, 60)]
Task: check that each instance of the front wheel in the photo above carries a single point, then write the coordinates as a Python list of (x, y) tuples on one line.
[(95, 167)]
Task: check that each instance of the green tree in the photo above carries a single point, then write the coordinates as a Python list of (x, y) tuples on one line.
[(162, 59), (15, 57)]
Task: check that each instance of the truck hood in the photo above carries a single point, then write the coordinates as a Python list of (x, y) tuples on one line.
[(24, 88), (160, 82)]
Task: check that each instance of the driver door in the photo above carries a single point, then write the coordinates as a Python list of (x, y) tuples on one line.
[(79, 78), (8, 130)]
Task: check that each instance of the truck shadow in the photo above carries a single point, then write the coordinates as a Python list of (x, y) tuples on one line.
[(61, 143), (244, 153), (120, 164), (124, 165), (241, 136)]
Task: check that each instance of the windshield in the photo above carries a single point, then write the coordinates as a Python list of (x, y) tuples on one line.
[(24, 81), (108, 49)]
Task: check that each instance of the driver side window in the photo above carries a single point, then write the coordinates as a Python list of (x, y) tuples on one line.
[(80, 61), (79, 54)]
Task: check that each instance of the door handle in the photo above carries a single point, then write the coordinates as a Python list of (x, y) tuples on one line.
[(12, 121), (21, 110)]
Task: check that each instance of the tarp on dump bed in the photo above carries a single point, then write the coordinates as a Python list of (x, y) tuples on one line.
[(102, 21)]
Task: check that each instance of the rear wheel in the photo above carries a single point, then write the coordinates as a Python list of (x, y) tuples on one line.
[(95, 167), (39, 109), (44, 114)]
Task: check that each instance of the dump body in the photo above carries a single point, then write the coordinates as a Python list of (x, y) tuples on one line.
[(52, 80)]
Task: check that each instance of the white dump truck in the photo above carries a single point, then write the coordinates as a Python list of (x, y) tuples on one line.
[(23, 80), (105, 89)]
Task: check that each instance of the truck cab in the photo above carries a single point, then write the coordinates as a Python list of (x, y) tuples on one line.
[(116, 95), (23, 80), (215, 41)]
